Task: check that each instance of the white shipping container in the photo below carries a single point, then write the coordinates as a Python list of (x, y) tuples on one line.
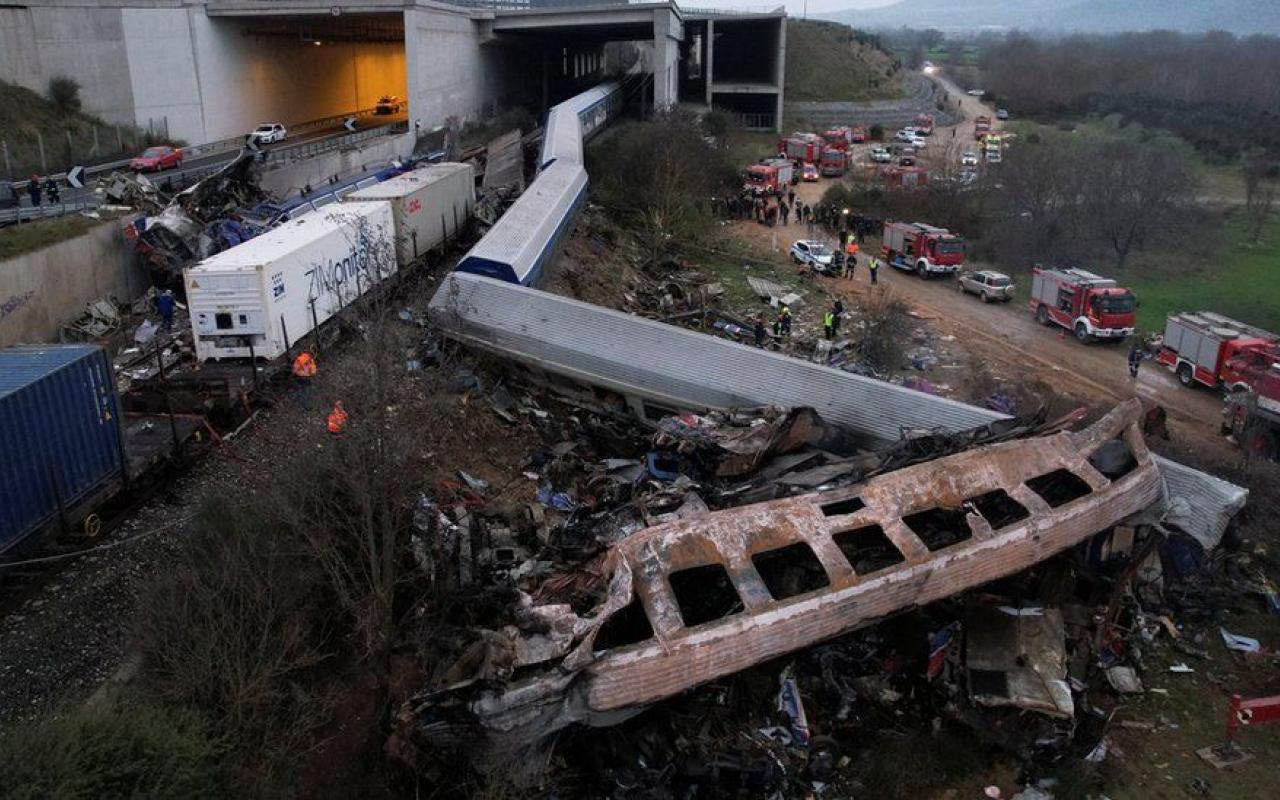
[(278, 287), (429, 205)]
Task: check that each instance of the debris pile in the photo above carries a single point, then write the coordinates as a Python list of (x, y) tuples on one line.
[(695, 552)]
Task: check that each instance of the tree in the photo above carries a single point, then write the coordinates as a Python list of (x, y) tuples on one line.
[(1132, 193), (1260, 174), (64, 93)]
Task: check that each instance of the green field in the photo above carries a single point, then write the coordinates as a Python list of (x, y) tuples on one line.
[(1241, 282)]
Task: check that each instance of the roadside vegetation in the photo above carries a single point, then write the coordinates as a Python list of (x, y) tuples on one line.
[(31, 236), (70, 136), (830, 62)]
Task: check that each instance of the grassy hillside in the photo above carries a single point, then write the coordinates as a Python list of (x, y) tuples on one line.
[(24, 114), (831, 61)]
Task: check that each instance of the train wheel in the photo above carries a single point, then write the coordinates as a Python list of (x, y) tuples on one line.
[(92, 526)]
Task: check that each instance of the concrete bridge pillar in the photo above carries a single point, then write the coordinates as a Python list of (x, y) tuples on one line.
[(668, 32)]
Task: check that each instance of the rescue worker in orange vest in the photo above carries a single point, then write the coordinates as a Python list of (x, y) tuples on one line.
[(304, 368), (850, 258), (337, 418)]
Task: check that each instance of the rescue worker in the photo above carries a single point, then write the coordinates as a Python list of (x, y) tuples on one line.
[(785, 210), (33, 189), (758, 331), (829, 324), (304, 369), (874, 266), (838, 310), (791, 198), (337, 418), (785, 319), (164, 304), (850, 258), (1135, 360)]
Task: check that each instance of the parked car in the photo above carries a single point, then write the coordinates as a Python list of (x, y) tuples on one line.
[(816, 254), (968, 159), (987, 284), (977, 92), (907, 158), (268, 132), (919, 143), (880, 155), (154, 159), (905, 135), (387, 104), (1002, 113), (8, 195), (809, 173)]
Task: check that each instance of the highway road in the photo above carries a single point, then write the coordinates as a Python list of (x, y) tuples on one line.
[(197, 167)]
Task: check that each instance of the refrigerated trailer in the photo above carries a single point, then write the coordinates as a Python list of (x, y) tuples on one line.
[(256, 299), (429, 206)]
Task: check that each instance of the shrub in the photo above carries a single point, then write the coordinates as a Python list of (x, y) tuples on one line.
[(64, 93), (114, 749)]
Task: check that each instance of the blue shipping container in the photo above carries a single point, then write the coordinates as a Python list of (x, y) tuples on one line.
[(60, 434)]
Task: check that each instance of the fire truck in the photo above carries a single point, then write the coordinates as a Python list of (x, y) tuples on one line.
[(838, 138), (859, 134), (924, 124), (897, 175), (801, 148), (1252, 418), (769, 177), (981, 127), (1216, 351), (924, 249), (1091, 306), (833, 163)]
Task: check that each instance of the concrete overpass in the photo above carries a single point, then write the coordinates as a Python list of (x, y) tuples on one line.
[(211, 69)]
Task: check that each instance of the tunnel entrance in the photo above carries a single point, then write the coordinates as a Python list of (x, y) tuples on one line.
[(299, 70)]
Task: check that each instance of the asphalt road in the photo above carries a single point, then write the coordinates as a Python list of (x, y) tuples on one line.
[(195, 167)]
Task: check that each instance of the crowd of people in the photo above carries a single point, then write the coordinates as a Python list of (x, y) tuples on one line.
[(786, 209)]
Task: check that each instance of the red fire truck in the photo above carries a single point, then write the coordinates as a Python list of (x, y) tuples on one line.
[(1217, 351), (859, 134), (1091, 306), (801, 148), (833, 163), (769, 177), (1253, 417), (897, 175), (925, 249), (924, 124), (981, 127), (838, 138)]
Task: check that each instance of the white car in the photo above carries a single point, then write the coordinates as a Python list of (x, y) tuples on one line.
[(918, 142), (268, 133), (969, 159), (905, 135), (814, 253), (977, 92), (1002, 113), (987, 284)]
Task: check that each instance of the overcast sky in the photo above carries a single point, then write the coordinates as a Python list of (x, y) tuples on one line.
[(794, 7)]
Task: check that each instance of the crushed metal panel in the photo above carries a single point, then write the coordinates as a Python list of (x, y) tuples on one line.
[(756, 625), (1200, 504), (1018, 659)]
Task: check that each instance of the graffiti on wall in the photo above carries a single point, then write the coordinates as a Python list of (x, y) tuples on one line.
[(15, 302)]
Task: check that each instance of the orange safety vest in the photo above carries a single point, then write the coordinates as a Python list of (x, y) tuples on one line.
[(304, 366), (851, 248), (337, 419)]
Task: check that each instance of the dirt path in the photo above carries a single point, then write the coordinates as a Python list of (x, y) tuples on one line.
[(1006, 337)]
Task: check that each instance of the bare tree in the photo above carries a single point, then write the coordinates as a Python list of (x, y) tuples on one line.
[(1131, 193), (1260, 173)]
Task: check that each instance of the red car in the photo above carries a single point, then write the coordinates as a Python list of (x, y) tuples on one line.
[(808, 173), (154, 159)]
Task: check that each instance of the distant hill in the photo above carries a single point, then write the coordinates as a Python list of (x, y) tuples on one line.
[(1083, 16), (828, 61)]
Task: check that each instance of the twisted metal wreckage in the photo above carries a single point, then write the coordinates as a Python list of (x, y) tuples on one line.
[(700, 598), (705, 596)]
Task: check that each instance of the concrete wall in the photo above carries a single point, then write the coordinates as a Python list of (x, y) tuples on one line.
[(84, 43), (247, 80), (41, 291), (286, 181), (162, 70)]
